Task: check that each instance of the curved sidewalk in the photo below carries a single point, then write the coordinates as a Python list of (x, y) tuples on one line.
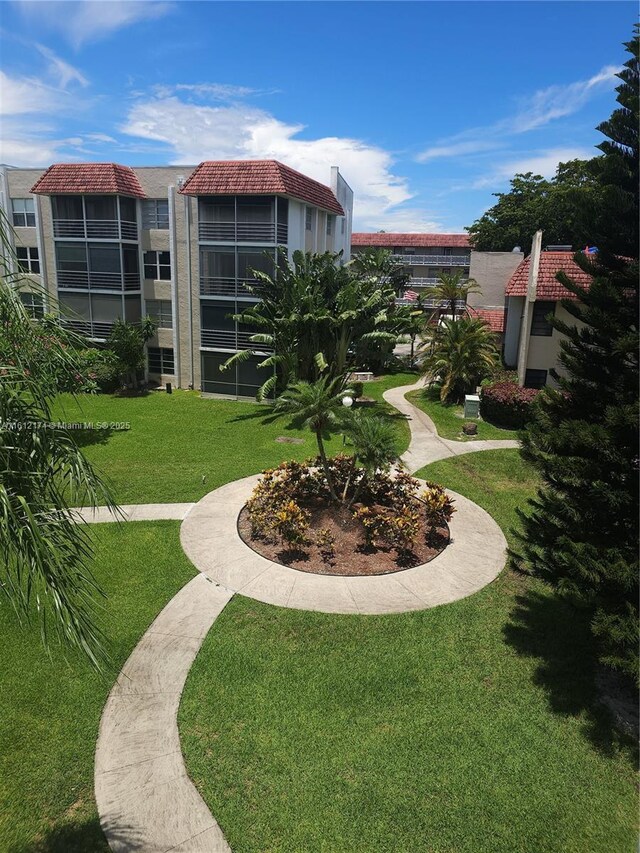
[(145, 799), (210, 538), (426, 446)]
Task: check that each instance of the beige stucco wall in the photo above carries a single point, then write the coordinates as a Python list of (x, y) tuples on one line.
[(492, 271)]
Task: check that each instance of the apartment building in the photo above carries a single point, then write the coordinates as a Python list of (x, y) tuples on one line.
[(531, 344), (428, 256), (100, 241)]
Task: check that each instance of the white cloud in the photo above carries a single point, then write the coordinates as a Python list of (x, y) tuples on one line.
[(456, 149), (92, 20), (101, 137), (542, 163), (195, 132), (558, 101), (212, 91), (60, 70), (535, 111), (22, 95)]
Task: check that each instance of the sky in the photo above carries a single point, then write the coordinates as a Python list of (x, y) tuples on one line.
[(428, 108)]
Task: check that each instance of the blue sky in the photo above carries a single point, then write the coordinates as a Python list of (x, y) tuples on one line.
[(427, 107)]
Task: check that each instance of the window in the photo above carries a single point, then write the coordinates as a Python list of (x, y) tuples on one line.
[(155, 213), (308, 222), (535, 378), (157, 265), (159, 310), (23, 212), (539, 324), (28, 259), (329, 224), (160, 360), (34, 304)]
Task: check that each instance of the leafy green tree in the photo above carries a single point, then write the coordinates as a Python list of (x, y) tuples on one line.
[(458, 354), (581, 534), (557, 206), (311, 313), (46, 551), (127, 341), (317, 406)]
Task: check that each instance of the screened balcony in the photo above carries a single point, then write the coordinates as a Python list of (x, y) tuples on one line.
[(93, 314), (228, 339), (101, 266), (226, 272), (434, 260), (94, 217), (243, 219)]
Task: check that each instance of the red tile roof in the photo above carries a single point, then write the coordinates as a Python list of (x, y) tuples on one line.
[(548, 286), (427, 241), (493, 317), (258, 177), (89, 178)]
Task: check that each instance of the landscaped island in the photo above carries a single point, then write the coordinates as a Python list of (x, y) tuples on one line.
[(380, 522)]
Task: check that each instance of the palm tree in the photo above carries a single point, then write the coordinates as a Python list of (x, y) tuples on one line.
[(45, 551), (315, 405), (452, 288), (458, 354), (374, 443)]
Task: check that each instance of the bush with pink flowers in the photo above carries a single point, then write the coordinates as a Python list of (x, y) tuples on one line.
[(507, 404)]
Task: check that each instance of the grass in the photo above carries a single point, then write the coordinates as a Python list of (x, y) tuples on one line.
[(449, 418), (174, 441), (51, 706), (467, 727)]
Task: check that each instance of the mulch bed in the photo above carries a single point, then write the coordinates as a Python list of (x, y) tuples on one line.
[(351, 558)]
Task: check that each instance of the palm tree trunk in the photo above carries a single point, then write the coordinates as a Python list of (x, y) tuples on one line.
[(325, 465)]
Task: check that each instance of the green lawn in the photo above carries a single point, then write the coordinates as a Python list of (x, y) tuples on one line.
[(51, 706), (176, 440), (468, 727), (449, 418)]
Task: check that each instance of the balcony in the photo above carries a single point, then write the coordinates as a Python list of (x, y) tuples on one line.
[(96, 330), (434, 260), (220, 286), (242, 232), (229, 339), (431, 303), (95, 229), (90, 280)]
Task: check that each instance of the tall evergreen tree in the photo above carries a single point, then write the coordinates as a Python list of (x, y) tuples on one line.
[(581, 534)]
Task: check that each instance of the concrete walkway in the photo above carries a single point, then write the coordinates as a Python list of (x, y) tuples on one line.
[(210, 538), (134, 512), (426, 446), (145, 799)]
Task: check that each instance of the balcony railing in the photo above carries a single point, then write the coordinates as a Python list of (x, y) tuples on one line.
[(416, 281), (95, 330), (90, 280), (243, 232), (95, 229), (432, 303), (434, 260), (229, 339), (221, 286)]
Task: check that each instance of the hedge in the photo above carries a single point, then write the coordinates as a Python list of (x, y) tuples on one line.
[(507, 404)]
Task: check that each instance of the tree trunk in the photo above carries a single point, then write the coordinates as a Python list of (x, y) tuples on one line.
[(325, 465)]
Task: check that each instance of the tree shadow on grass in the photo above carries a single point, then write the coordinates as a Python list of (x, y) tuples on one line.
[(557, 633), (81, 837), (267, 417), (87, 437)]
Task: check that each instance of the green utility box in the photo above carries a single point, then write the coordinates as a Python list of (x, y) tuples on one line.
[(471, 406)]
